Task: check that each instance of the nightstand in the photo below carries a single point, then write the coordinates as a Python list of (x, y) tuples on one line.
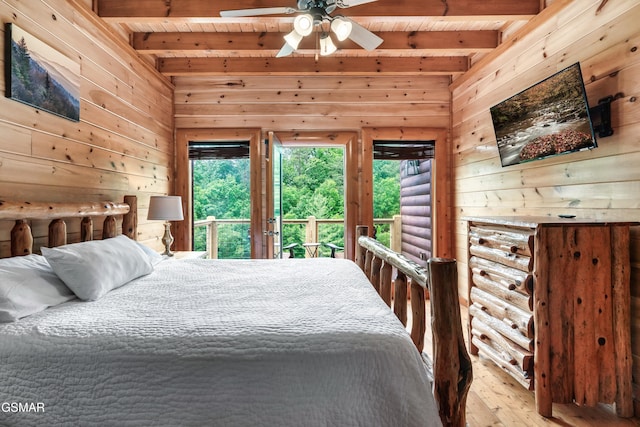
[(190, 254)]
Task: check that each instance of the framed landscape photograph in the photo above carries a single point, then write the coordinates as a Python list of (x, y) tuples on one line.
[(40, 76)]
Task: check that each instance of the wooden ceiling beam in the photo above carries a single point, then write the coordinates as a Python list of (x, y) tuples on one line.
[(454, 42), (301, 66), (164, 10)]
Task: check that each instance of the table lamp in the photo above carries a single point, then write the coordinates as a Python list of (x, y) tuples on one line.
[(166, 208)]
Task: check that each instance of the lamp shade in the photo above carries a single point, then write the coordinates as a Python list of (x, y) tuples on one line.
[(303, 24), (166, 208), (293, 39), (341, 27), (326, 45)]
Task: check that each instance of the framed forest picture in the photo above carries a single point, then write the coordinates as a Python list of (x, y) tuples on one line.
[(39, 75)]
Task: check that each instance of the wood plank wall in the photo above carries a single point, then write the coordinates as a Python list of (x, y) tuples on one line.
[(123, 143), (415, 208), (312, 103), (603, 183), (309, 106)]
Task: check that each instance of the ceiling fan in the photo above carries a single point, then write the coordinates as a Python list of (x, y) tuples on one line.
[(313, 14)]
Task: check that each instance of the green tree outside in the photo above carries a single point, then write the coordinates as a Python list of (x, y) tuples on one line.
[(312, 185)]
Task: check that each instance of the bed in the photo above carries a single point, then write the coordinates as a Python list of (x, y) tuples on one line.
[(206, 342)]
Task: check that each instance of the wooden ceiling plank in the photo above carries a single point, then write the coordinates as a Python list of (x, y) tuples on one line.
[(204, 9), (278, 96), (216, 84), (309, 110), (182, 43), (300, 66), (301, 123)]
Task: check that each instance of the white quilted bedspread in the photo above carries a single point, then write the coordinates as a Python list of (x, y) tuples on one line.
[(219, 343)]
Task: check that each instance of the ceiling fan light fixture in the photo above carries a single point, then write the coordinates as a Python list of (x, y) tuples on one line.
[(341, 27), (293, 39), (303, 24), (315, 15), (327, 47)]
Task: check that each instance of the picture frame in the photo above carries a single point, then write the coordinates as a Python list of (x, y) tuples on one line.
[(38, 75)]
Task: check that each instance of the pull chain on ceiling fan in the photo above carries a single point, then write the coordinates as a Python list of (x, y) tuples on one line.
[(313, 14)]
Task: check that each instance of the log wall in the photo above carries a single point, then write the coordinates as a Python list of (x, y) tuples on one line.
[(603, 183), (415, 208), (123, 143)]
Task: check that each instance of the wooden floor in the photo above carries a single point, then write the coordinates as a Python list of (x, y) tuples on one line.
[(495, 399)]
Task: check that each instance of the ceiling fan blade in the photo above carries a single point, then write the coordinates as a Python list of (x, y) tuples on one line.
[(286, 50), (352, 3), (257, 11), (364, 37)]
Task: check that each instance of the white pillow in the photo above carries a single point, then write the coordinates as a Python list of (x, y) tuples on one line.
[(154, 256), (29, 285), (91, 269)]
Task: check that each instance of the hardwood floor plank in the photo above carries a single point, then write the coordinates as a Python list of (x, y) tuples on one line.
[(479, 414)]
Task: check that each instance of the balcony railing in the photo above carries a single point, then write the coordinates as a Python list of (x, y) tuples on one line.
[(313, 233)]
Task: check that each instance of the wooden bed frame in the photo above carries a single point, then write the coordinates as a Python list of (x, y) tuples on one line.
[(22, 238), (452, 372)]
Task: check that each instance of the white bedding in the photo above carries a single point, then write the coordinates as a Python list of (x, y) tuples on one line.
[(219, 343)]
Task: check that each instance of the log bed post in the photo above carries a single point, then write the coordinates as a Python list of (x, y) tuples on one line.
[(376, 265), (418, 323), (130, 219), (57, 233), (385, 282), (110, 227), (400, 309), (21, 239), (361, 252), (86, 229), (368, 260), (450, 357), (452, 371)]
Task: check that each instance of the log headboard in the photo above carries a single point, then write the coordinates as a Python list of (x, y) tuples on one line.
[(22, 212)]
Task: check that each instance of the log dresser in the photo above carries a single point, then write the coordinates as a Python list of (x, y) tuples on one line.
[(549, 302)]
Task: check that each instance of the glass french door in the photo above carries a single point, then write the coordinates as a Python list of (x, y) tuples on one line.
[(273, 226)]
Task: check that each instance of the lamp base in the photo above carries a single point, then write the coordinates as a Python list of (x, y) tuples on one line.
[(167, 239)]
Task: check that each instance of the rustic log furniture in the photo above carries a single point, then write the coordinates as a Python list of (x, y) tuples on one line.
[(22, 239), (452, 374), (550, 304), (452, 365)]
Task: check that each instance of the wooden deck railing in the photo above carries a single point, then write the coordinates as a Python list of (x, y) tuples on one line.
[(311, 224), (452, 372)]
